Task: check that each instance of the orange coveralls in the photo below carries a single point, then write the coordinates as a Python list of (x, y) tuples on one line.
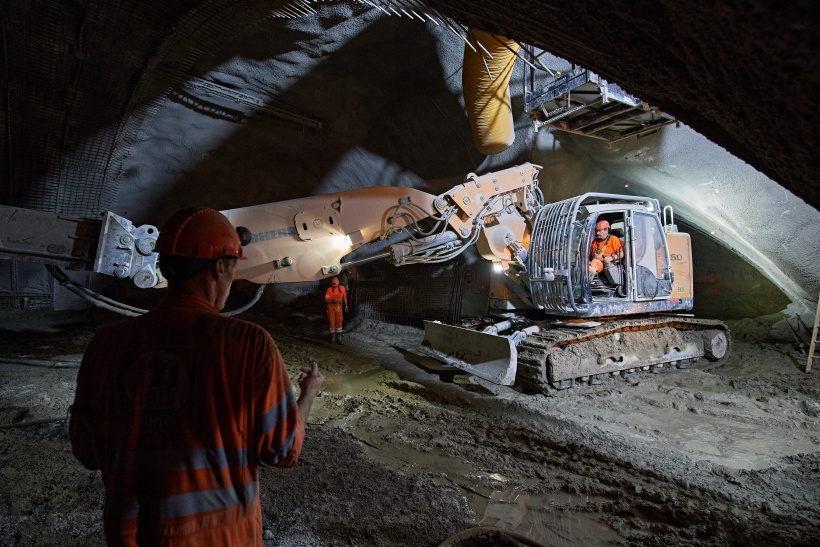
[(610, 246), (334, 298), (178, 408)]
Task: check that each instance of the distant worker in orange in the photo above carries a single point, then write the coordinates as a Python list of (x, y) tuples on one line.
[(606, 249), (335, 297)]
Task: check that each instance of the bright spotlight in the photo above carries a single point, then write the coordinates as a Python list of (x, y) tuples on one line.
[(341, 242)]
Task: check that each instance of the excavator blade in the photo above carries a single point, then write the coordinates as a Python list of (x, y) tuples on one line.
[(487, 356)]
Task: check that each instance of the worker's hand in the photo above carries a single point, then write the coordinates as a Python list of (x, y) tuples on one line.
[(309, 382), (345, 308), (311, 379)]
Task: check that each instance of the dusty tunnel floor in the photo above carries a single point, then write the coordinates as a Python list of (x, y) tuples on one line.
[(401, 453)]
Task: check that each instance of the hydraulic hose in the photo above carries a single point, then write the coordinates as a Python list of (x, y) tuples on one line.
[(118, 307), (91, 296), (256, 298)]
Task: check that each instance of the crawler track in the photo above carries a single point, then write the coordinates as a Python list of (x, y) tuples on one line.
[(556, 358)]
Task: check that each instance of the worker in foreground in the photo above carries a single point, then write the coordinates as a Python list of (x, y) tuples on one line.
[(335, 296), (179, 407), (606, 249)]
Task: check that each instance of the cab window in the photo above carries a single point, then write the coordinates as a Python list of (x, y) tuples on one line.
[(650, 257)]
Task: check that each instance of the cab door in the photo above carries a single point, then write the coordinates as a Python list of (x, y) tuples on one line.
[(650, 265)]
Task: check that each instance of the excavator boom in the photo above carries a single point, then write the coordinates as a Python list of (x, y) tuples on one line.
[(306, 239), (540, 250)]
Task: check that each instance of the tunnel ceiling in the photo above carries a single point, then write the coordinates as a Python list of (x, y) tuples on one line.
[(94, 89), (741, 73)]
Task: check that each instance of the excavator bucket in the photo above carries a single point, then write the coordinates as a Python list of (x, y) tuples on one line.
[(487, 356)]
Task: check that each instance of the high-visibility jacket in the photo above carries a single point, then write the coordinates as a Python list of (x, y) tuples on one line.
[(610, 246), (335, 294), (178, 408)]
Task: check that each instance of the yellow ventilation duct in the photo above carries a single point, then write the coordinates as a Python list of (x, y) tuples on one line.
[(486, 84)]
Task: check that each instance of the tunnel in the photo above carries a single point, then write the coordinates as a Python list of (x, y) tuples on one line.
[(142, 109)]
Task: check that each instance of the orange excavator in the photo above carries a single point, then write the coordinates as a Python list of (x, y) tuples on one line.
[(551, 321)]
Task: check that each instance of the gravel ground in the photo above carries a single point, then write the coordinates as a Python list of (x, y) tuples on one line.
[(401, 452)]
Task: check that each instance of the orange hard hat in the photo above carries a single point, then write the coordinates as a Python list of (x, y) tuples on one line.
[(335, 281), (601, 225), (199, 232)]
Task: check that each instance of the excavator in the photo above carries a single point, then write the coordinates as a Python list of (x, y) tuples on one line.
[(551, 321)]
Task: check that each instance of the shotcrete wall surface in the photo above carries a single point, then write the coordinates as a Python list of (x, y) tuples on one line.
[(387, 121), (389, 93)]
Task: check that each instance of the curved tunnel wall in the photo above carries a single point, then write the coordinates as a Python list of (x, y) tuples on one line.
[(728, 200), (181, 156), (660, 166)]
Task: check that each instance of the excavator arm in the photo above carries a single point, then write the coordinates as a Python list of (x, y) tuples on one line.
[(110, 244), (303, 239), (307, 239), (537, 246)]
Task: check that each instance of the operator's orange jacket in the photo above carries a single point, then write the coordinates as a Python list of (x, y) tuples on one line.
[(609, 246), (178, 408)]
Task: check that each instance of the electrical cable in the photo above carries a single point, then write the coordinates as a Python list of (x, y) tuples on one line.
[(413, 223), (64, 279), (442, 217), (449, 255), (396, 214), (91, 296)]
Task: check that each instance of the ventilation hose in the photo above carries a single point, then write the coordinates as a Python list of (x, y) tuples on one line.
[(486, 85)]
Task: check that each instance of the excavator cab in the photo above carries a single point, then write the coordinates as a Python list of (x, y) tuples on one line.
[(611, 281), (644, 272), (559, 278)]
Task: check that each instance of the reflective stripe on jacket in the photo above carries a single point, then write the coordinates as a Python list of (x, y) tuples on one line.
[(178, 408), (335, 294)]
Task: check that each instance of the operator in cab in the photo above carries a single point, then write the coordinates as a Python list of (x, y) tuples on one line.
[(179, 407), (606, 249)]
